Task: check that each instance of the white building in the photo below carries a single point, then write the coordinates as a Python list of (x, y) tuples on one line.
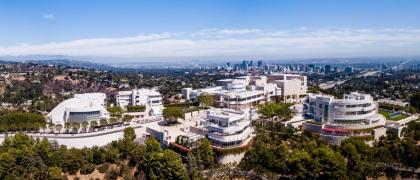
[(291, 85), (149, 98), (227, 128), (82, 107), (353, 115), (248, 91)]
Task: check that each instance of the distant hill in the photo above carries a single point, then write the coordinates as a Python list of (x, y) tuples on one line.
[(75, 63)]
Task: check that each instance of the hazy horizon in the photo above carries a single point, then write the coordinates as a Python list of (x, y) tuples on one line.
[(138, 31)]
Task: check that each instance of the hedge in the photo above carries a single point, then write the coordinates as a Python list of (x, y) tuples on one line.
[(136, 108)]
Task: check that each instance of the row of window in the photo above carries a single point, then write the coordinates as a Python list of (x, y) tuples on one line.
[(225, 124), (359, 105), (358, 121), (350, 113), (84, 116), (228, 134), (244, 99), (225, 144)]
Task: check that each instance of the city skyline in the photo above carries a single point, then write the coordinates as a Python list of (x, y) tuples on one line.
[(168, 30)]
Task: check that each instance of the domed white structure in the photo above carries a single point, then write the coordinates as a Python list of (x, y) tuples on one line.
[(81, 108)]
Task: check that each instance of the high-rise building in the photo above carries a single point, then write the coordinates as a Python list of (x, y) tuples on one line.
[(259, 64), (327, 69), (244, 64), (348, 69)]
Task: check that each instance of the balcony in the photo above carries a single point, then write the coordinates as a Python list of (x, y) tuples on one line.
[(228, 138), (228, 129)]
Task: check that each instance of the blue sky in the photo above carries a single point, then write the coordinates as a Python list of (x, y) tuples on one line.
[(244, 29)]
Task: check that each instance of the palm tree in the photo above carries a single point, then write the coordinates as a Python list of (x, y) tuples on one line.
[(59, 127)]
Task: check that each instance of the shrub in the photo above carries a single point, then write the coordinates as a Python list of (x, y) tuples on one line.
[(136, 108), (181, 105), (124, 170), (87, 169), (111, 174), (103, 168)]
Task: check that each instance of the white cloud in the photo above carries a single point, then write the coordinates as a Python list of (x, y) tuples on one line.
[(48, 16), (302, 42)]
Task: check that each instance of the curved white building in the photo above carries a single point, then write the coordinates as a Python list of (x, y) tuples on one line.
[(352, 115), (82, 107), (227, 128)]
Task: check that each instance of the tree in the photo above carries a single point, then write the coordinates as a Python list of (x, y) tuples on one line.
[(17, 121), (6, 163), (172, 166), (93, 124), (171, 114), (350, 151), (302, 166), (115, 111), (415, 100), (160, 164), (192, 167), (204, 154), (59, 127), (330, 163), (75, 126), (85, 124), (127, 118), (67, 126), (206, 99), (152, 145), (112, 120), (111, 154), (87, 168), (273, 110), (103, 122), (129, 134), (51, 126)]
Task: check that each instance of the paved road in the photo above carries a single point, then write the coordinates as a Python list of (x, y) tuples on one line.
[(332, 84)]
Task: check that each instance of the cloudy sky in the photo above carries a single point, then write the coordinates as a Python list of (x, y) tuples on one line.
[(210, 28)]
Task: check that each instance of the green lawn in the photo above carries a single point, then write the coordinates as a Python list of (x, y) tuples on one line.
[(386, 114)]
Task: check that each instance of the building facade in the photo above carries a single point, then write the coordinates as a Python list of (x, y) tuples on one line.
[(81, 108), (149, 98), (247, 92), (354, 115), (292, 86), (227, 128)]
